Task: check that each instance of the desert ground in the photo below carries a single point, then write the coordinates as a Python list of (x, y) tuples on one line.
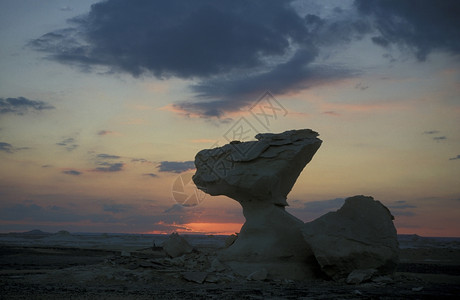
[(38, 265)]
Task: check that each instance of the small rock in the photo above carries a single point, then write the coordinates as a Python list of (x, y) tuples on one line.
[(358, 276), (217, 266), (211, 278), (258, 275), (176, 245), (197, 277), (382, 279), (125, 254)]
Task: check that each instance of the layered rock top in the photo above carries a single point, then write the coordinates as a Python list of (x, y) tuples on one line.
[(263, 170)]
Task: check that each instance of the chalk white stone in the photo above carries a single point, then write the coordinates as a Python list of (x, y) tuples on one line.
[(176, 245), (360, 235)]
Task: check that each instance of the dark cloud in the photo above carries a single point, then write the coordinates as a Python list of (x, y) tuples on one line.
[(141, 160), (422, 26), (431, 132), (153, 175), (69, 143), (22, 105), (238, 91), (331, 113), (109, 167), (107, 156), (455, 158), (176, 38), (5, 147), (72, 172), (361, 86), (235, 50), (8, 148), (104, 132), (176, 166)]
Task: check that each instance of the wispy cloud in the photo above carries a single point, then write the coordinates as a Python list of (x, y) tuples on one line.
[(72, 172), (401, 208), (176, 166), (431, 132), (69, 143), (153, 175), (109, 167), (439, 138), (107, 132), (435, 138), (8, 148), (107, 156), (22, 105)]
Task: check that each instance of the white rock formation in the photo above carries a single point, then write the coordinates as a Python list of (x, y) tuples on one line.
[(259, 175), (176, 245), (354, 243), (359, 236)]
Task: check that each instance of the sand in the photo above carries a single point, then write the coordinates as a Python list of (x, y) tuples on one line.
[(56, 267)]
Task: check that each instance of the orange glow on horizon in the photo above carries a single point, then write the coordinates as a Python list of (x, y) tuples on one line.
[(202, 228)]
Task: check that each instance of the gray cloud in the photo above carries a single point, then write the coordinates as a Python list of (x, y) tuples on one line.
[(153, 175), (72, 172), (109, 167), (236, 50), (176, 166), (455, 158), (141, 37), (22, 105), (439, 138), (6, 147), (431, 132), (104, 132), (422, 26), (69, 143), (401, 208), (107, 156)]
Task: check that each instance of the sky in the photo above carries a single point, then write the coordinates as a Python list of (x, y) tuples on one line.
[(104, 104)]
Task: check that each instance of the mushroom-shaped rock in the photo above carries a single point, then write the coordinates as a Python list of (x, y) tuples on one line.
[(359, 236), (259, 175)]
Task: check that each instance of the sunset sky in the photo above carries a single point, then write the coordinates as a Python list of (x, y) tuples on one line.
[(104, 104)]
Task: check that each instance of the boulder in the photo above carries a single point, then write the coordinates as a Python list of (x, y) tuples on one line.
[(176, 246), (359, 236), (197, 277)]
